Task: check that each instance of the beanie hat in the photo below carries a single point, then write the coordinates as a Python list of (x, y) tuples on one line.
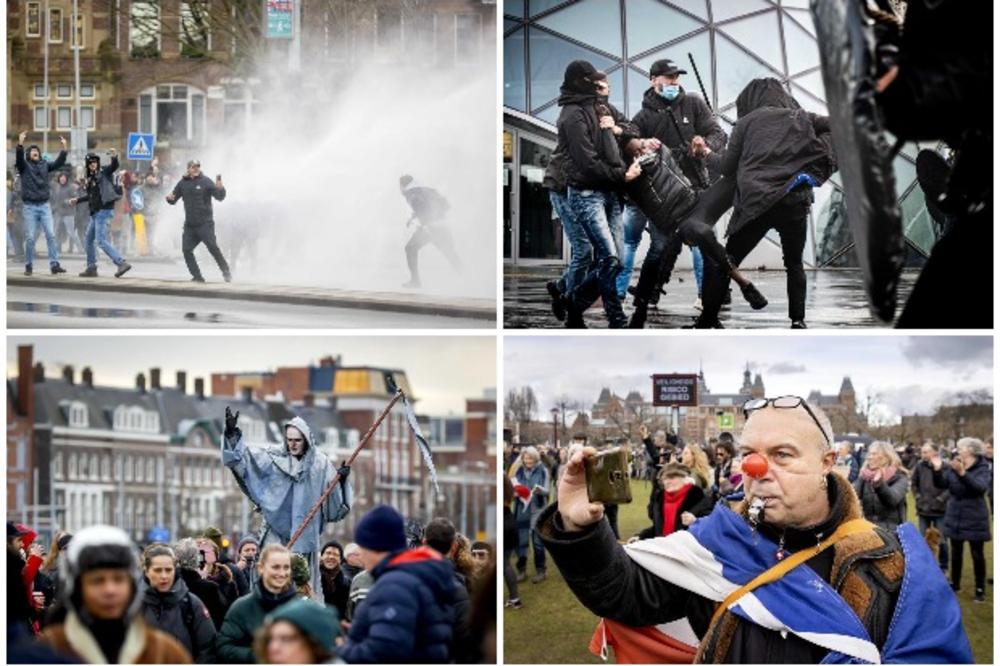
[(579, 77), (381, 529), (250, 538), (314, 620), (300, 570), (213, 534), (99, 547)]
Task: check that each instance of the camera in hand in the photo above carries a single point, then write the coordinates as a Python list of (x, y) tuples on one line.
[(607, 476)]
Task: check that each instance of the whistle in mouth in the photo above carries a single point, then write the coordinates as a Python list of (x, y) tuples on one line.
[(755, 511)]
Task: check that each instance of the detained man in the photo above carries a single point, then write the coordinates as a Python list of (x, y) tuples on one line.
[(865, 593)]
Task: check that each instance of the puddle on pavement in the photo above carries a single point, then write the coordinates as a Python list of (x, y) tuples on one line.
[(105, 313)]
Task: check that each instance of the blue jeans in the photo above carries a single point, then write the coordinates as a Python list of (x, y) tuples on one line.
[(580, 249), (600, 214), (36, 215), (938, 522), (634, 225), (68, 223), (97, 234), (699, 266)]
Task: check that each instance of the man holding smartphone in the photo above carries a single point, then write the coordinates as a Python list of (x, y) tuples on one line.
[(197, 190)]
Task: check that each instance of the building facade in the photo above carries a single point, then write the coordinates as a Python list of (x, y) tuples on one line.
[(731, 43)]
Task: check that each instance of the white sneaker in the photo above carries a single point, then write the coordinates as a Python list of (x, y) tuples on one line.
[(697, 304)]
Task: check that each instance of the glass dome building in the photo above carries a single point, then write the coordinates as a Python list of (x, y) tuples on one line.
[(731, 41)]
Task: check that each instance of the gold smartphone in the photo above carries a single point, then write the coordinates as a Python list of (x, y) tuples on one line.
[(607, 476)]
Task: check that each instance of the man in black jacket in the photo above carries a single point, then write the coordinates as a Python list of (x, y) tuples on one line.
[(101, 198), (931, 501), (588, 136), (35, 197), (197, 190), (666, 108), (777, 153)]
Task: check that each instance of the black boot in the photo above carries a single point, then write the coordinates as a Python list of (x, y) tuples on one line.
[(27, 269), (753, 296), (702, 322), (558, 302), (638, 319), (57, 269), (574, 318)]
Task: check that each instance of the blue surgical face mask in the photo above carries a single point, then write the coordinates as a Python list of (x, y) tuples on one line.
[(670, 92)]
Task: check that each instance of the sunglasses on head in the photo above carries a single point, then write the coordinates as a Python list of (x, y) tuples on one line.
[(784, 402)]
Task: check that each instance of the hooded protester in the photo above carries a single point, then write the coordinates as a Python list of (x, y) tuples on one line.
[(409, 614), (286, 482), (101, 197), (64, 211), (334, 580), (777, 153), (102, 594), (197, 190), (169, 605), (273, 589), (190, 570), (430, 209), (299, 632), (34, 172)]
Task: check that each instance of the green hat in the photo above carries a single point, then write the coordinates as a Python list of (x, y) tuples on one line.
[(213, 534), (314, 620), (300, 570)]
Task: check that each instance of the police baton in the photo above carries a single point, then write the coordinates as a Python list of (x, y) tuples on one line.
[(700, 84)]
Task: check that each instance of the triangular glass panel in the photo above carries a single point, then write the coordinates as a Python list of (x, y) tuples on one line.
[(536, 7), (813, 82), (735, 69), (804, 19), (509, 24), (651, 23), (593, 22), (723, 10), (800, 47), (698, 46), (697, 7), (616, 80), (514, 8), (758, 34), (513, 71), (800, 4), (638, 83), (906, 173), (808, 102), (918, 225), (549, 56), (549, 114)]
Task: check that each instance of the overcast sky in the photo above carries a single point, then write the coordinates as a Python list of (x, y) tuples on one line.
[(443, 370), (913, 374)]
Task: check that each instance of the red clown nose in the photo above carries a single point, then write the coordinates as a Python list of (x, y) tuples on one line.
[(755, 465)]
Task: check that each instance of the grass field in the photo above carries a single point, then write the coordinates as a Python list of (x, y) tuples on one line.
[(553, 628)]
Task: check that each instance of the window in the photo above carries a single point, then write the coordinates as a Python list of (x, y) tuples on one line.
[(87, 91), (41, 118), (468, 28), (128, 468), (33, 22), (95, 471), (39, 91), (64, 91), (139, 469), (78, 415), (194, 37), (55, 26), (71, 467), (106, 467), (175, 113), (22, 456), (151, 470), (388, 32), (64, 117), (87, 117), (419, 33), (144, 29), (57, 466), (78, 40)]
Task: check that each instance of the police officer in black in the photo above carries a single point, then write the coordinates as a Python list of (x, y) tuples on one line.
[(197, 190)]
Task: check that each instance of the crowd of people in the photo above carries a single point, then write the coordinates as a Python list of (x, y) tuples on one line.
[(676, 172), (396, 594)]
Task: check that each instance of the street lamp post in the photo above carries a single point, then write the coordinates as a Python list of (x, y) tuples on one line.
[(555, 427)]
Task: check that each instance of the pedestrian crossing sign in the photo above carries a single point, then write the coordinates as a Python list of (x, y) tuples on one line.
[(140, 146)]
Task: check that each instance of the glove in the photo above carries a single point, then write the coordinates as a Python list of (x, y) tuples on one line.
[(231, 421), (344, 471)]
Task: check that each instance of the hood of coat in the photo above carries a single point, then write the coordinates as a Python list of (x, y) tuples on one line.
[(172, 597), (307, 458), (425, 564), (568, 96), (656, 102), (761, 93), (28, 152)]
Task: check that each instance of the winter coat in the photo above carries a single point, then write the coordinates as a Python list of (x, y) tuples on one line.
[(865, 569), (286, 493), (234, 644), (662, 192), (409, 614), (593, 159), (60, 195), (696, 502), (772, 142), (967, 517), (463, 651), (19, 609), (197, 194), (101, 193), (142, 645), (208, 592), (509, 530), (360, 585), (694, 118), (555, 172), (182, 615), (931, 500), (537, 476), (35, 175), (336, 589), (884, 503)]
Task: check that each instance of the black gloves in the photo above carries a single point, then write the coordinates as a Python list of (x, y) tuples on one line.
[(231, 421), (344, 471)]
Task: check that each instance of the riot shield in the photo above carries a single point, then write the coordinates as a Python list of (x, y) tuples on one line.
[(864, 159)]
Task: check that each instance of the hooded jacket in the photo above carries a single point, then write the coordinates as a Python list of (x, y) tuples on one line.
[(60, 196), (772, 142), (428, 205), (662, 192), (234, 644), (967, 516), (35, 175), (285, 488), (197, 194), (101, 193), (409, 614), (172, 612), (694, 118)]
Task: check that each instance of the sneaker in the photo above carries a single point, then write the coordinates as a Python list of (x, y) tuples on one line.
[(513, 603), (798, 323), (980, 597), (522, 576), (27, 269), (755, 298), (412, 284), (90, 272), (57, 269), (701, 323), (539, 577), (123, 268), (558, 303), (697, 304), (199, 279)]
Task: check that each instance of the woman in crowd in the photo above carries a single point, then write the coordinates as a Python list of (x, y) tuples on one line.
[(846, 462), (967, 518), (169, 606), (693, 457), (510, 543), (882, 485), (675, 503), (532, 479), (299, 632)]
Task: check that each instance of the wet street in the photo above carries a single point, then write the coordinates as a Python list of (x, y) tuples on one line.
[(834, 299)]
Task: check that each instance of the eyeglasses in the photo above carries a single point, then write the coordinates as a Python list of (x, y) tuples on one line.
[(784, 402)]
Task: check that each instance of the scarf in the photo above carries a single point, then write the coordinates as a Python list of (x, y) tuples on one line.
[(671, 505), (887, 473)]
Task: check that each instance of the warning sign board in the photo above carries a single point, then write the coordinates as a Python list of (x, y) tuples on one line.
[(140, 146)]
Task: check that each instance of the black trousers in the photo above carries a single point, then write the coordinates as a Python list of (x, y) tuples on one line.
[(194, 236), (789, 217), (978, 562)]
